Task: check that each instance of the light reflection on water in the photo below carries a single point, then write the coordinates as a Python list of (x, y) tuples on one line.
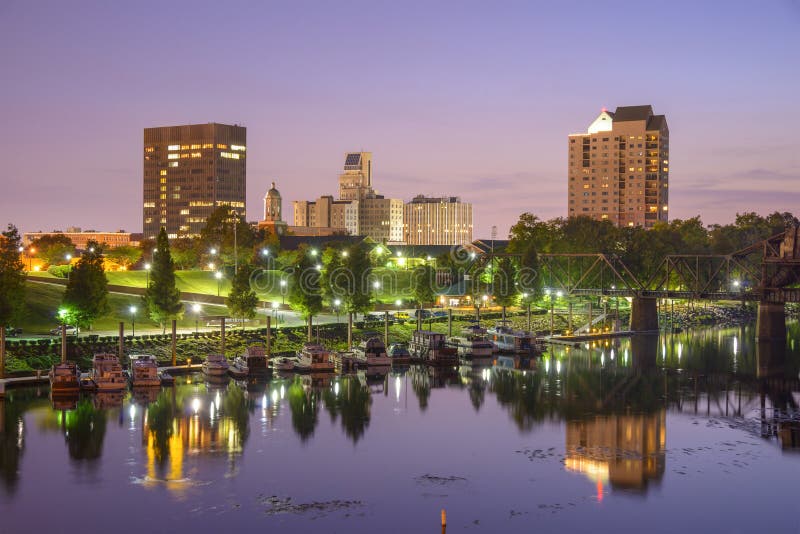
[(597, 433)]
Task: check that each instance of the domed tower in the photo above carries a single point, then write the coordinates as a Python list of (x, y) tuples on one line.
[(273, 209), (273, 205)]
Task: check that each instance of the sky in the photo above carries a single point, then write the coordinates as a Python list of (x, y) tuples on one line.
[(474, 99)]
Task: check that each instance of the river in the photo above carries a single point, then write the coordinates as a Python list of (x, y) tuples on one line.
[(697, 431)]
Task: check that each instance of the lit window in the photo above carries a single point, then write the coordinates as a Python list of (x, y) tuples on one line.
[(223, 147), (152, 149), (173, 164), (184, 156), (184, 212), (149, 204), (208, 145), (238, 147), (195, 147), (184, 147), (196, 154), (173, 156), (174, 147), (163, 173), (229, 155)]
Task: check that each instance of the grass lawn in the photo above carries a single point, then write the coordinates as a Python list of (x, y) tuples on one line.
[(43, 300)]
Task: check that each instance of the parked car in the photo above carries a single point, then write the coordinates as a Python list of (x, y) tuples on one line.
[(402, 315), (439, 313), (372, 318), (13, 331), (71, 331), (423, 314)]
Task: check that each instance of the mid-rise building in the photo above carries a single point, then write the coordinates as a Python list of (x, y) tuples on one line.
[(437, 221), (273, 212), (188, 172), (360, 210), (81, 238), (619, 169)]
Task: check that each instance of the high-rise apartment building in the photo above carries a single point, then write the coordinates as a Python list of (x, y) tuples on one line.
[(437, 221), (188, 172), (619, 168)]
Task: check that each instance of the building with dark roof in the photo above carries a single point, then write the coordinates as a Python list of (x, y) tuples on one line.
[(619, 169)]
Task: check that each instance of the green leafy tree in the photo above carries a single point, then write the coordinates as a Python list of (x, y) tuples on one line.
[(12, 286), (86, 296), (423, 282), (358, 265), (124, 256), (305, 292), (242, 300), (53, 248), (186, 253), (162, 298), (505, 283), (219, 234)]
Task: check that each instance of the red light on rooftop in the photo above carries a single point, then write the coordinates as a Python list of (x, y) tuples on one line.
[(603, 109)]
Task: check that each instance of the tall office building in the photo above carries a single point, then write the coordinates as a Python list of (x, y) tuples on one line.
[(188, 172), (437, 221), (619, 168), (360, 210)]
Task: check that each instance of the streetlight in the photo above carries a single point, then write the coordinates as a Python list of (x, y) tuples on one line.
[(132, 309), (275, 311), (344, 253), (196, 308), (213, 251), (218, 276), (147, 268), (336, 304), (283, 291), (313, 252)]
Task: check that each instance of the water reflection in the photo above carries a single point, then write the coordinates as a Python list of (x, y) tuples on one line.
[(613, 399)]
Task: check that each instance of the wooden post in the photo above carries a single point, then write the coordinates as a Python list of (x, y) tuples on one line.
[(121, 343), (269, 336), (386, 328), (174, 342), (450, 322), (529, 317), (2, 351), (605, 312), (222, 335), (570, 318), (419, 318), (552, 314), (478, 313), (590, 316), (350, 331), (310, 326), (63, 343)]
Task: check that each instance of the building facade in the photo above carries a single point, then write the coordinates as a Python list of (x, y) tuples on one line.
[(359, 210), (188, 172), (437, 221), (80, 238), (619, 169)]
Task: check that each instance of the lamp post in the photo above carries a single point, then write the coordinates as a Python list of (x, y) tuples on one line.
[(196, 309), (218, 276), (275, 312), (283, 291), (132, 309), (336, 304), (147, 268)]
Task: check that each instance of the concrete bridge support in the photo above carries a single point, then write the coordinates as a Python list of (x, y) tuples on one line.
[(644, 314), (771, 323)]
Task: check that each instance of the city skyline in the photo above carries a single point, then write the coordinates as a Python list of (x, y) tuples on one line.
[(474, 103)]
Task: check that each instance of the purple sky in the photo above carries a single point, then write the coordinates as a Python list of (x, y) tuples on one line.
[(459, 98)]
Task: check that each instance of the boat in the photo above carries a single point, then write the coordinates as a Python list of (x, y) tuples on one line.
[(509, 340), (107, 373), (238, 369), (314, 358), (215, 366), (431, 347), (144, 371), (284, 363), (399, 355), (86, 382), (372, 352), (166, 378), (473, 343), (254, 361), (64, 379)]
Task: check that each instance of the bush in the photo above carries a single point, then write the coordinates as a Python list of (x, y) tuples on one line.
[(59, 271)]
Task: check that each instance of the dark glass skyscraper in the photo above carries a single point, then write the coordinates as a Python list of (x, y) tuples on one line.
[(188, 172)]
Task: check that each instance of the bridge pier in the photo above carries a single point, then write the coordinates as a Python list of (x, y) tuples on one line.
[(771, 323), (644, 314)]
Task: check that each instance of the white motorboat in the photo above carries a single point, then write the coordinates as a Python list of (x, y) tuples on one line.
[(473, 342), (107, 373), (373, 353), (65, 379), (216, 365), (144, 370), (509, 340), (431, 348), (314, 358)]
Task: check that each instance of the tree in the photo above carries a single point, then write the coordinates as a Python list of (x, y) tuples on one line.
[(423, 280), (528, 278), (242, 300), (219, 234), (358, 298), (185, 252), (504, 283), (53, 248), (86, 297), (124, 256), (162, 298), (12, 286), (305, 293)]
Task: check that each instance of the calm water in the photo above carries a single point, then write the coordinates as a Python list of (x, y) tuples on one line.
[(694, 432)]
